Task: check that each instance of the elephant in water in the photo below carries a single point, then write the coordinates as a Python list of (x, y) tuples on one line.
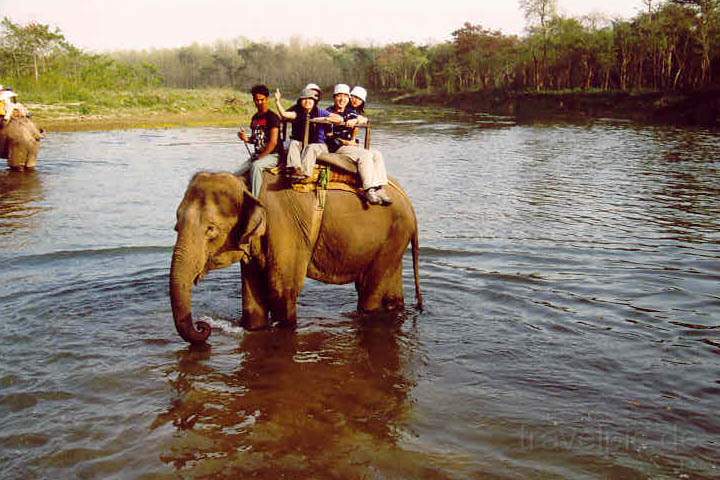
[(20, 143), (282, 238)]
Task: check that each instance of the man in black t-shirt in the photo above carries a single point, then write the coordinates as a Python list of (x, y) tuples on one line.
[(264, 135)]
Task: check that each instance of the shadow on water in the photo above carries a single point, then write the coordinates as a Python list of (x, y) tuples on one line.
[(318, 402), (19, 192)]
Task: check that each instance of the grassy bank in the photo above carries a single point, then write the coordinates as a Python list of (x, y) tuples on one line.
[(686, 108), (167, 108), (151, 108)]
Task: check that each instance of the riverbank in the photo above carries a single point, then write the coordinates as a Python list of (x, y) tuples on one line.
[(156, 108), (169, 108), (695, 108)]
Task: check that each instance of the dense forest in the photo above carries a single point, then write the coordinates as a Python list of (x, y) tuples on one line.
[(670, 45)]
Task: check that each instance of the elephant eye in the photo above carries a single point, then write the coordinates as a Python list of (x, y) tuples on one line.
[(212, 231)]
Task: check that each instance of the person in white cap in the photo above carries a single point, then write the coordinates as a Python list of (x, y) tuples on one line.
[(305, 109), (2, 105), (8, 99), (341, 139), (377, 174), (313, 86), (358, 97)]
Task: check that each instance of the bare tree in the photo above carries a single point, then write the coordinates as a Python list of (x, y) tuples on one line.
[(538, 13), (707, 9)]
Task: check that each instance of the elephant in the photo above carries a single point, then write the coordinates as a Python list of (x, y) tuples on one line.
[(20, 143), (283, 237)]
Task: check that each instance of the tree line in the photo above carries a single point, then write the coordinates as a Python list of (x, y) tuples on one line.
[(39, 60), (669, 45)]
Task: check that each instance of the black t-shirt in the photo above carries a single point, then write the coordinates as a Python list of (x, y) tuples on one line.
[(338, 132), (261, 126)]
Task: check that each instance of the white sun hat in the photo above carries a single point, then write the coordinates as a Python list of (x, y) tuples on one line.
[(341, 88), (360, 93)]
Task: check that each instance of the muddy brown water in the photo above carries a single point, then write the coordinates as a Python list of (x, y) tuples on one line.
[(572, 328)]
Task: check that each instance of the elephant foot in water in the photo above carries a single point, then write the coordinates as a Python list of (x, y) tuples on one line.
[(258, 315), (258, 322), (253, 322), (21, 168), (284, 312)]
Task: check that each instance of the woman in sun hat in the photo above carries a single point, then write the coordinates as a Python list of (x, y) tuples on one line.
[(341, 139), (314, 86), (305, 109), (358, 97)]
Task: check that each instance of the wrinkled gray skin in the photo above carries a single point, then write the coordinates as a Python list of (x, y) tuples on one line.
[(20, 143), (220, 223)]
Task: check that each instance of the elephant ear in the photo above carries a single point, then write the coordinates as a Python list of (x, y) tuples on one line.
[(253, 227)]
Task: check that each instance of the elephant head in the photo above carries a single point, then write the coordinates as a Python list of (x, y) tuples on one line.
[(218, 223), (20, 143)]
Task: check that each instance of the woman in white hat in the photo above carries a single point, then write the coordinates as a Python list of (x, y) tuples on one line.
[(314, 86), (341, 139), (358, 97), (301, 161), (377, 174)]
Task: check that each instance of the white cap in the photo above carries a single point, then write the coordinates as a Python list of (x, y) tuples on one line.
[(359, 92), (341, 88), (312, 86)]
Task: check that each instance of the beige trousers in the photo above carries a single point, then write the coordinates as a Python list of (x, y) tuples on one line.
[(304, 158), (371, 165)]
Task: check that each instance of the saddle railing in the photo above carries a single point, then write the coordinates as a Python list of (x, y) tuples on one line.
[(306, 134)]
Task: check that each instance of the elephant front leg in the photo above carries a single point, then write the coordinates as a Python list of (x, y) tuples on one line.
[(286, 283), (254, 298), (284, 310)]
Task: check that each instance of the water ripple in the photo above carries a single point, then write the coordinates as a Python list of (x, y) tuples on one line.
[(571, 324)]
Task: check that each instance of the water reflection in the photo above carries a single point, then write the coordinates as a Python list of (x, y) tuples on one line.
[(566, 333), (317, 402), (686, 190), (19, 191)]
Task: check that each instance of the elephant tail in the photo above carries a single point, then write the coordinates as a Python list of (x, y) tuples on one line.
[(415, 242), (416, 269)]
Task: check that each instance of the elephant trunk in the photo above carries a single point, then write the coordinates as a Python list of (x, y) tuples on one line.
[(182, 275)]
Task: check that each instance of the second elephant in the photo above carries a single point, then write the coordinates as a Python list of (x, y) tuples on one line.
[(20, 143)]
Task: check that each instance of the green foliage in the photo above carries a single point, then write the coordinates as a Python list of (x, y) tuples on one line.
[(672, 45), (42, 65), (29, 49)]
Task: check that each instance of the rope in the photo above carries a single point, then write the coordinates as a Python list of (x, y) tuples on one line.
[(321, 195)]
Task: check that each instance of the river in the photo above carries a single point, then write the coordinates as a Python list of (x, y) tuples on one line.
[(571, 274)]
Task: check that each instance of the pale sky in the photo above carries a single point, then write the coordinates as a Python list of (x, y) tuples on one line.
[(101, 25)]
